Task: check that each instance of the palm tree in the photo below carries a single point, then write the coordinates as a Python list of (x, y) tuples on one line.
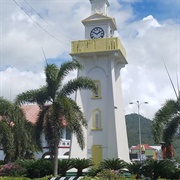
[(64, 165), (56, 105), (114, 164), (155, 169), (15, 131), (134, 167), (165, 124), (81, 164), (167, 120)]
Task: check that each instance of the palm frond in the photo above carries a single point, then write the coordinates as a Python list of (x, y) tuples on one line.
[(6, 138), (42, 117), (6, 107), (38, 96), (162, 117), (71, 110), (114, 164), (74, 117), (171, 81), (171, 129), (68, 67), (75, 84), (52, 81)]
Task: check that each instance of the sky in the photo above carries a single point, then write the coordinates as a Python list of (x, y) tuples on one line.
[(31, 31)]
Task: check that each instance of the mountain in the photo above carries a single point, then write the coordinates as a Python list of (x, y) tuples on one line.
[(132, 124)]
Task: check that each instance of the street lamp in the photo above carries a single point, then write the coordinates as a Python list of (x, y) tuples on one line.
[(138, 105)]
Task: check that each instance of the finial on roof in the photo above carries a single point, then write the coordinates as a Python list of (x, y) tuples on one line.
[(99, 6)]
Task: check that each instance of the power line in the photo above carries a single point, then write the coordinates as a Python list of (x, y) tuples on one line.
[(39, 24), (45, 20)]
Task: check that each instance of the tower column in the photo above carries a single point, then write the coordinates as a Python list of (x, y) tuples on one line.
[(103, 56)]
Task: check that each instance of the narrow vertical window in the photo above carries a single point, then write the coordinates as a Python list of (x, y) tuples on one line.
[(96, 120), (97, 94)]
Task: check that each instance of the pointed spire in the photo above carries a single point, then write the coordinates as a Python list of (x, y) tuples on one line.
[(99, 6)]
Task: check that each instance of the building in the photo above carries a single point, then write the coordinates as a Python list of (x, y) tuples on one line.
[(147, 152), (103, 56), (31, 113)]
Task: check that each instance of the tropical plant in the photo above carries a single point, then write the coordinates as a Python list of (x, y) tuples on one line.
[(93, 171), (165, 124), (113, 164), (134, 167), (15, 178), (81, 164), (90, 178), (63, 166), (167, 120), (108, 174), (12, 169), (155, 169), (15, 132), (57, 106), (37, 168)]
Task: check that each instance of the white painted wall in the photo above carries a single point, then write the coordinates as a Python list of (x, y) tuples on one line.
[(113, 136)]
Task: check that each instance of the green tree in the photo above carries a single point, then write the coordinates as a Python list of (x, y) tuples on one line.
[(15, 132), (56, 105), (165, 124)]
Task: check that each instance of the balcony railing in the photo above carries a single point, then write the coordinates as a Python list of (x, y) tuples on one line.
[(97, 45)]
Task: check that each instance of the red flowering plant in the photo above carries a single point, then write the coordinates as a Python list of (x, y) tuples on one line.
[(12, 169)]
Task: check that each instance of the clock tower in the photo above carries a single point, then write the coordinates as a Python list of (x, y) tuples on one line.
[(103, 56)]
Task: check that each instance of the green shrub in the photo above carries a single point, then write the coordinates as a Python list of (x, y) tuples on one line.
[(114, 164), (1, 162), (37, 168), (44, 178), (23, 178), (13, 178), (158, 169), (12, 169), (90, 178), (81, 164), (108, 174), (92, 172), (63, 166), (134, 168)]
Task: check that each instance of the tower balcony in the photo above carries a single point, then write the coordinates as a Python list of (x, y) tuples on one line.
[(100, 46)]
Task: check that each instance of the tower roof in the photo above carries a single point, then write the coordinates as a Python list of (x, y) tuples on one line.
[(145, 146), (99, 17), (99, 6)]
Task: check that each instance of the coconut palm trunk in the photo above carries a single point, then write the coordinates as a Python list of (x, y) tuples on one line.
[(56, 144)]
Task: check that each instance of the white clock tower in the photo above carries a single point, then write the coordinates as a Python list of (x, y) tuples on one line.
[(103, 57)]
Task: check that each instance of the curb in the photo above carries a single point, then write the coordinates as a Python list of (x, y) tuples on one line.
[(66, 178)]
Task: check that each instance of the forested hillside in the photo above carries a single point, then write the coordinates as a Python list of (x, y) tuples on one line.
[(132, 124)]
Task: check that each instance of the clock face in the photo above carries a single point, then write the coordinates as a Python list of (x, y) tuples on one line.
[(97, 32)]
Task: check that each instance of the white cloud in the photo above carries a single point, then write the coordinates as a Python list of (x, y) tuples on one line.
[(13, 81), (146, 74), (146, 41)]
